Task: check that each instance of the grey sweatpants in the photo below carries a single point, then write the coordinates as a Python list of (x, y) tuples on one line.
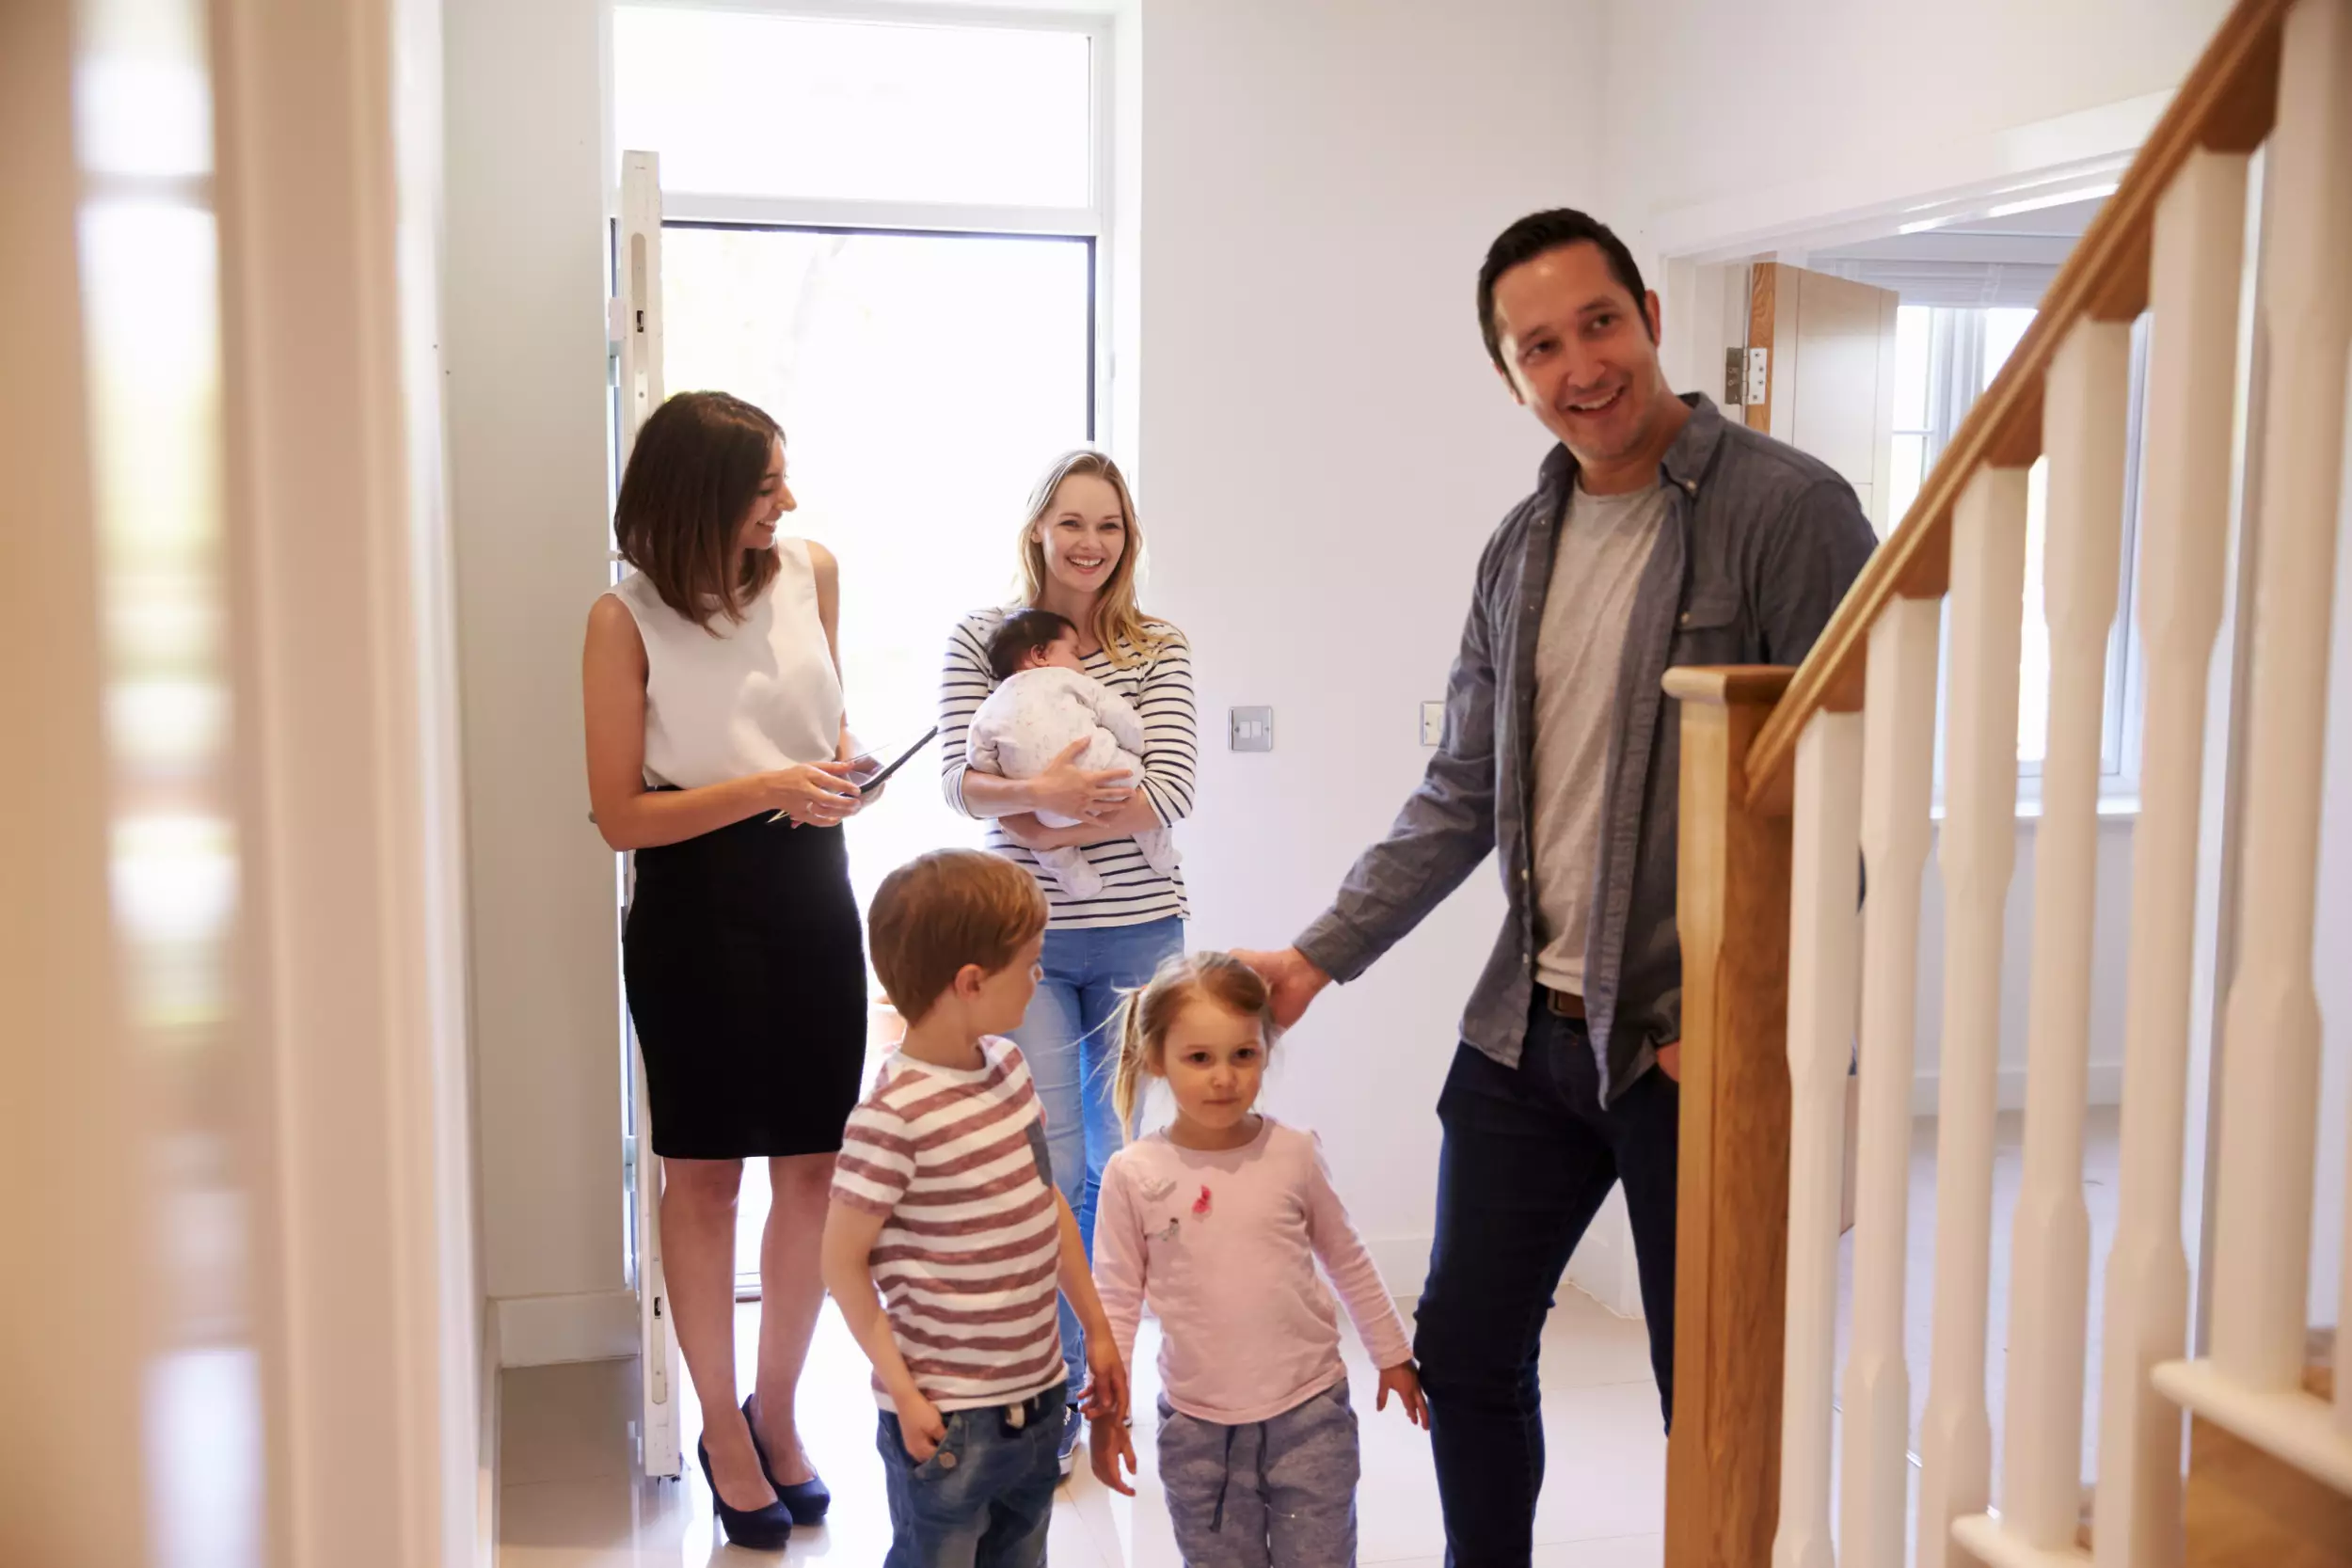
[(1274, 1494)]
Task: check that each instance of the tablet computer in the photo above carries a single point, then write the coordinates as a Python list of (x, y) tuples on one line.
[(866, 771), (867, 776)]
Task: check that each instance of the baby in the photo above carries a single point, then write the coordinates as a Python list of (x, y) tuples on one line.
[(1044, 704)]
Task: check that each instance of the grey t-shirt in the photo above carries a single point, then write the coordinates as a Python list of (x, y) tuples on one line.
[(1604, 544)]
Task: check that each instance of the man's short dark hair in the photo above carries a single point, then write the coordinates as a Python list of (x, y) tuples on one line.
[(1025, 632), (1538, 234)]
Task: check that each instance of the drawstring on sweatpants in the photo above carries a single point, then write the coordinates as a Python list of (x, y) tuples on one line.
[(1217, 1520)]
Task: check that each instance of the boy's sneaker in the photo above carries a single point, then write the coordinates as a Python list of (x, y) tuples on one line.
[(1072, 1426)]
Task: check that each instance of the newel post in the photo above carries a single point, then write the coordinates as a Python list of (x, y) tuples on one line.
[(1722, 1463)]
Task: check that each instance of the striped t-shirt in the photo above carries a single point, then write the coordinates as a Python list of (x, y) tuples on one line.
[(1159, 687), (954, 1160)]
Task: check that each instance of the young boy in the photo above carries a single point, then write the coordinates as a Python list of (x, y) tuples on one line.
[(944, 1198)]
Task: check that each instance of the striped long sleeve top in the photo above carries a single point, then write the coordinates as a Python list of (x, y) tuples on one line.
[(969, 1257), (1160, 690)]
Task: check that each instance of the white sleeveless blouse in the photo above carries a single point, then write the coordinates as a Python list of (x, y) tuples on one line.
[(740, 698)]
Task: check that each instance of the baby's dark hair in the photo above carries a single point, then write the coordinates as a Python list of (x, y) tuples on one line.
[(1025, 632)]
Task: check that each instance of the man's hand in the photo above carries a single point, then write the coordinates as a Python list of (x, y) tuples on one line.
[(1404, 1381), (1292, 981), (1670, 1060), (920, 1428), (1112, 1449), (1105, 1394)]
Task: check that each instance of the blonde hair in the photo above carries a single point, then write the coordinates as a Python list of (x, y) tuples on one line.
[(1118, 624), (942, 910), (1147, 1014)]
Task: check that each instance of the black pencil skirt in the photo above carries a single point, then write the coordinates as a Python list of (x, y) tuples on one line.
[(745, 968)]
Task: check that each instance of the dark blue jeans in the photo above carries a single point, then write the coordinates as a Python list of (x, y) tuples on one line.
[(1529, 1155), (985, 1499)]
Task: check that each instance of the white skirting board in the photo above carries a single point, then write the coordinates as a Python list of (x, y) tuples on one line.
[(1602, 1267), (2104, 1086), (540, 1331)]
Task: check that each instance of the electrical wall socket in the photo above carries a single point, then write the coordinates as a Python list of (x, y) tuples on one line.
[(1432, 723), (1251, 729)]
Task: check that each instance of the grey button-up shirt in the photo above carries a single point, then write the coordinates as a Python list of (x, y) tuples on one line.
[(1760, 543)]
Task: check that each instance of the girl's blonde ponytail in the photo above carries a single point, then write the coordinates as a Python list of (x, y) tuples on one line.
[(1133, 1049)]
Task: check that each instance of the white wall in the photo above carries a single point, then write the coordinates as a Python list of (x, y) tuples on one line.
[(1728, 113), (2109, 958), (1325, 449), (524, 310)]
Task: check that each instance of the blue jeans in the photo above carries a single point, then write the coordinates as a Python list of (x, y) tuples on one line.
[(1072, 1048), (985, 1499), (1529, 1155)]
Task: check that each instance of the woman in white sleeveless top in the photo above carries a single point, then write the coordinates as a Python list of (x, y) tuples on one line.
[(714, 703)]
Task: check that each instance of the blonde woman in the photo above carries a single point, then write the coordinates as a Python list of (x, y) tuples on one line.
[(1079, 548)]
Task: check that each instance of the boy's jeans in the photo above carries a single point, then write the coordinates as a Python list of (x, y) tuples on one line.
[(986, 1499)]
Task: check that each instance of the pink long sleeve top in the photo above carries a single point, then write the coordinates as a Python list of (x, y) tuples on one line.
[(1224, 1248)]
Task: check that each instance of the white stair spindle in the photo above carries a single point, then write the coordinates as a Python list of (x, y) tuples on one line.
[(1899, 768), (2270, 1040), (2084, 419), (2184, 537), (1979, 852), (1824, 960)]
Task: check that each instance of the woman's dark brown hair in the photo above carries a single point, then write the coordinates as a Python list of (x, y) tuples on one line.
[(693, 478)]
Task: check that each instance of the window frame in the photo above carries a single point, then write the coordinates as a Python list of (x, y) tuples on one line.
[(1092, 223), (1955, 363)]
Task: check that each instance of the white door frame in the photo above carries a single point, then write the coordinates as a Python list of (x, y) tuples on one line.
[(636, 334)]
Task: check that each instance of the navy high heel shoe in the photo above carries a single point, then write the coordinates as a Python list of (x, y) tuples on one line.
[(759, 1530), (809, 1500)]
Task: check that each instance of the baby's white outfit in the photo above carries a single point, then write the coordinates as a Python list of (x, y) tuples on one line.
[(1037, 715)]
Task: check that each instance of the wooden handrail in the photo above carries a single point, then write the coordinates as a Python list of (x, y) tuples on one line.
[(2226, 105)]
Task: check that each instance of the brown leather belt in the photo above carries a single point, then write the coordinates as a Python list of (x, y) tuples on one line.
[(1563, 1004)]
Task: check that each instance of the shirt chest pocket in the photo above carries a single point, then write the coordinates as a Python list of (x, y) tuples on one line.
[(1708, 629)]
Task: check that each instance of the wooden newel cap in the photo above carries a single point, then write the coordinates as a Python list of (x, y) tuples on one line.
[(1729, 684)]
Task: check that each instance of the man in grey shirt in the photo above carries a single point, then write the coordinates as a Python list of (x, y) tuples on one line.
[(1659, 534)]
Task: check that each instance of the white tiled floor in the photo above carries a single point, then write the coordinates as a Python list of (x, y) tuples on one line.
[(570, 1497)]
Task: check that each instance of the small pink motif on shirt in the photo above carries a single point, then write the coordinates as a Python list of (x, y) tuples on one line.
[(1167, 1234), (1201, 1204), (1153, 1190)]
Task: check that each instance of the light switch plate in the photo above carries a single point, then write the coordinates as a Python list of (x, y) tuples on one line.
[(1252, 729), (1432, 723)]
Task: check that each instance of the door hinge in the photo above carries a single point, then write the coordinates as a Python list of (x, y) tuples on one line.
[(1734, 378)]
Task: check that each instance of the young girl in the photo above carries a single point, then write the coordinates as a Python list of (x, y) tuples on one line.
[(1218, 1222)]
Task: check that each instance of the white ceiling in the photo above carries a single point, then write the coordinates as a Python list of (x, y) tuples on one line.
[(2042, 237)]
